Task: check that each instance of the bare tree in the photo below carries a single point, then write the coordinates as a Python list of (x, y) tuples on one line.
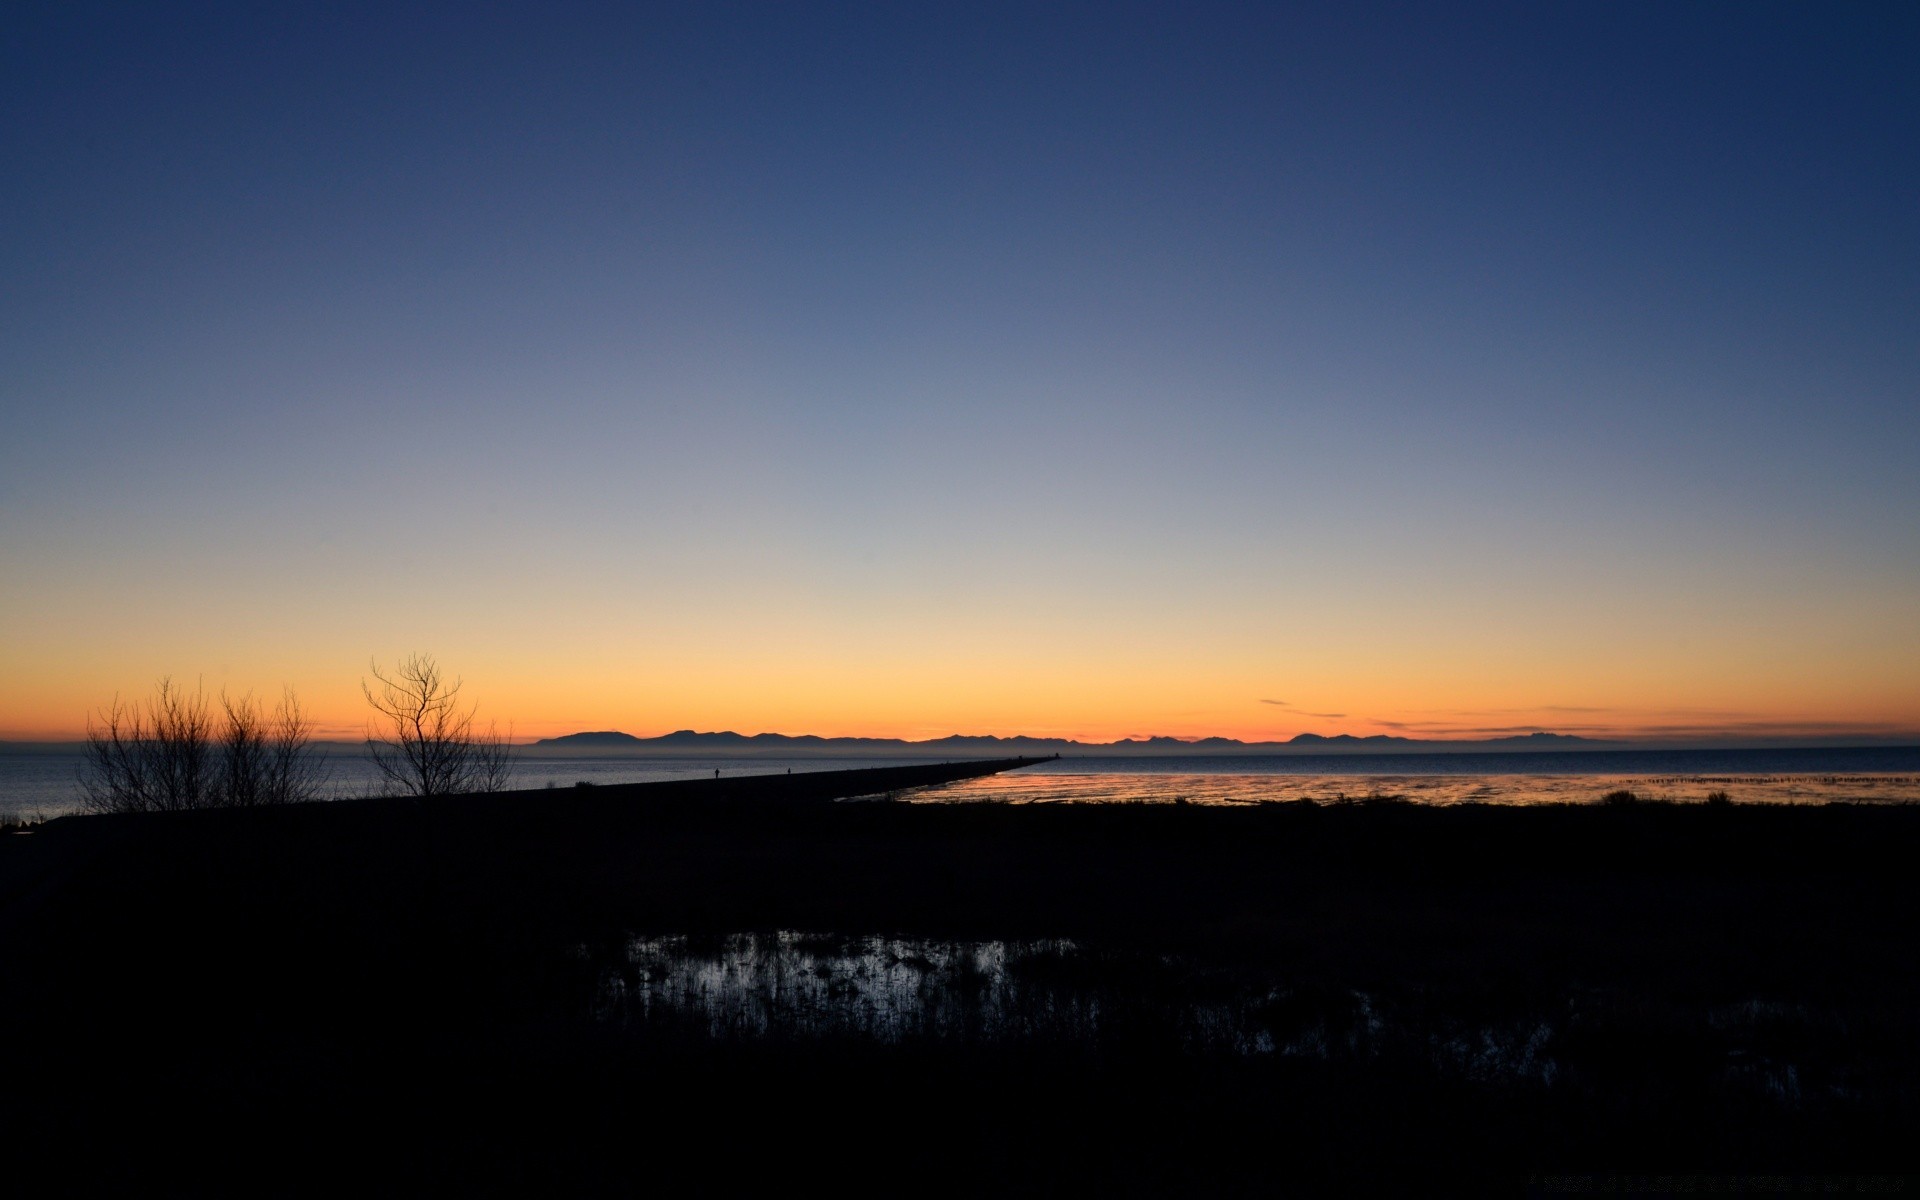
[(294, 772), (244, 742), (152, 758), (167, 755), (423, 743), (268, 757)]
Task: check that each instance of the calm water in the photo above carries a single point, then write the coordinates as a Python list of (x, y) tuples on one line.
[(1223, 786), (1877, 774), (43, 781)]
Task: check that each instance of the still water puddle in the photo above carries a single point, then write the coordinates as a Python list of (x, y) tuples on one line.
[(887, 990), (792, 987), (874, 988)]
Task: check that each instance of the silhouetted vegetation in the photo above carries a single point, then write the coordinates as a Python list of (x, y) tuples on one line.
[(1623, 798), (582, 984), (423, 743), (172, 754)]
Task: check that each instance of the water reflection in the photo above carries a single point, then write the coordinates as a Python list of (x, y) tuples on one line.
[(1032, 787), (874, 988), (789, 985), (796, 988)]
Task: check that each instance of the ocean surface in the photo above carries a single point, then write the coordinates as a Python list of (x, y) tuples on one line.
[(44, 781)]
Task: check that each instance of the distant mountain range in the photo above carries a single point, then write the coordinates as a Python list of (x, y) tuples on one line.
[(686, 741)]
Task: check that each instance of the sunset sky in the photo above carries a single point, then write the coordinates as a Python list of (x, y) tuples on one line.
[(903, 370)]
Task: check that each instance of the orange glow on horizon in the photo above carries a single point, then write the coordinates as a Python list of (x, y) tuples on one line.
[(534, 711), (977, 664)]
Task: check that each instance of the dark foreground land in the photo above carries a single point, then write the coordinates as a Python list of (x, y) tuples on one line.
[(741, 983)]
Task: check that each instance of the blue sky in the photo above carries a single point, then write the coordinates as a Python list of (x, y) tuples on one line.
[(921, 368)]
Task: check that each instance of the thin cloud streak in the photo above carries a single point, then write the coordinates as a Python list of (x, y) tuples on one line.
[(1325, 716)]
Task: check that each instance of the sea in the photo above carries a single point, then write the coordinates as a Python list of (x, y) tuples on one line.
[(42, 781)]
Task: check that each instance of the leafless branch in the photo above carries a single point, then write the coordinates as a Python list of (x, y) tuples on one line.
[(162, 757), (422, 743)]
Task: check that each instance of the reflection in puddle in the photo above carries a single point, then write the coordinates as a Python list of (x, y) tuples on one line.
[(873, 988), (753, 987), (794, 988)]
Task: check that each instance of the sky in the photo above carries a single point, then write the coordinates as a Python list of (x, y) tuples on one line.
[(902, 370)]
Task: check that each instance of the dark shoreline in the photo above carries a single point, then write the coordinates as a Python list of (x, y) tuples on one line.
[(1723, 990)]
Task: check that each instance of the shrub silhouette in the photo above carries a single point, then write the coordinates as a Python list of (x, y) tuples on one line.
[(170, 754)]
